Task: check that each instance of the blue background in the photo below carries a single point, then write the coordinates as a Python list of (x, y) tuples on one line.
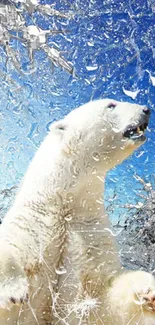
[(111, 45)]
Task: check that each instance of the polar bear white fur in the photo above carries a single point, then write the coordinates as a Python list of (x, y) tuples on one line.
[(59, 263)]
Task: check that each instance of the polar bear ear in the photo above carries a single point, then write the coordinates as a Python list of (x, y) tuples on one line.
[(59, 125)]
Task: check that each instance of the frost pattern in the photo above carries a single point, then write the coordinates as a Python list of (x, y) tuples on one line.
[(112, 52), (14, 25)]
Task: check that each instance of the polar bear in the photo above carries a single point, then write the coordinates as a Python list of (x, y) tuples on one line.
[(59, 263)]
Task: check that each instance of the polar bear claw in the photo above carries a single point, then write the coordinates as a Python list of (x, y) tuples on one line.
[(16, 296), (148, 299)]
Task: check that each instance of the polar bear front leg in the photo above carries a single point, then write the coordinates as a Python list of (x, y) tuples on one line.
[(131, 299), (13, 281)]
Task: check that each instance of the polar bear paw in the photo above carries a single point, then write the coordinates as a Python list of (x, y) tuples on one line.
[(146, 299), (141, 286), (132, 293), (13, 280), (13, 292)]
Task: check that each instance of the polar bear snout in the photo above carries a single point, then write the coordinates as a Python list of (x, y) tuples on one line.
[(136, 131)]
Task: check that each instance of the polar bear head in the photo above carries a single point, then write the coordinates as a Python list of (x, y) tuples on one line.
[(104, 132)]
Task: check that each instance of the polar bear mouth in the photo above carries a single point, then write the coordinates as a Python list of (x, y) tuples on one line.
[(135, 132)]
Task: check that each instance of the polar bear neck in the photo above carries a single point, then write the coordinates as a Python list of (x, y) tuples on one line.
[(56, 185), (57, 178)]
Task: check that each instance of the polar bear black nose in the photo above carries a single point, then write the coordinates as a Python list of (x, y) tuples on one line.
[(146, 110)]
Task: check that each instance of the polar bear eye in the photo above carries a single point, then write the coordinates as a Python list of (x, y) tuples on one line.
[(61, 127), (111, 105)]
